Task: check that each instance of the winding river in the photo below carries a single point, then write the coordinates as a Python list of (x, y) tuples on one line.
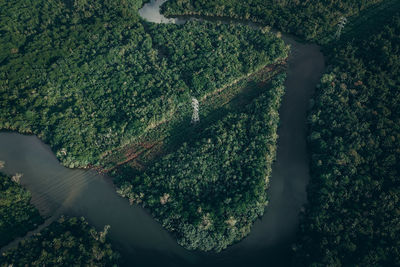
[(141, 240)]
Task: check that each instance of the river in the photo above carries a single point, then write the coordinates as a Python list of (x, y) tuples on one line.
[(140, 239)]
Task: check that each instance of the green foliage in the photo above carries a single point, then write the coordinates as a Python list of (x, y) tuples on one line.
[(67, 242), (211, 189), (89, 76), (226, 52), (352, 218), (17, 215), (311, 20)]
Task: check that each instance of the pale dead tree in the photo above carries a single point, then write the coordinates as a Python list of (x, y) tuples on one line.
[(206, 222), (195, 115), (164, 199), (16, 178), (340, 26), (104, 233), (100, 236), (2, 164), (231, 221)]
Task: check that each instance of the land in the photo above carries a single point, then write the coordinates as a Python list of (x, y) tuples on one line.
[(18, 216), (312, 20), (109, 91), (211, 189), (352, 214), (68, 241)]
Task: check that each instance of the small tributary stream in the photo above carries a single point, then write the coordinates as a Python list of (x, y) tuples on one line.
[(141, 240)]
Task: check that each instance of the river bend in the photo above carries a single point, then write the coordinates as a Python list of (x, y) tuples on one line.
[(141, 240)]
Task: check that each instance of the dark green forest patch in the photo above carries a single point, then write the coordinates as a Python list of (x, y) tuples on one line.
[(66, 242), (169, 135), (353, 214), (88, 77), (312, 20), (102, 87), (352, 218), (210, 190), (17, 215)]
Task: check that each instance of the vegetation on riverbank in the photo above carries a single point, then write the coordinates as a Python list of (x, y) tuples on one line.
[(352, 218), (312, 20), (353, 211), (91, 78), (17, 215), (88, 77), (67, 242), (212, 188)]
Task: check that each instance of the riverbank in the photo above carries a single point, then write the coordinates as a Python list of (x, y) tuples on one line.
[(139, 237)]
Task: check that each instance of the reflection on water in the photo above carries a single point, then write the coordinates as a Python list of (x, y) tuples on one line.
[(58, 190), (134, 232)]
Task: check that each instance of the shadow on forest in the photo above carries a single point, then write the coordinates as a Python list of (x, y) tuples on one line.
[(183, 131)]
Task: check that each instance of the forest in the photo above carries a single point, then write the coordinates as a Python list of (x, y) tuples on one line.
[(88, 76), (352, 218), (66, 242), (17, 215), (211, 189), (312, 20), (91, 77)]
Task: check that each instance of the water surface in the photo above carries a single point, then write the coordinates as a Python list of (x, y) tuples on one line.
[(141, 240)]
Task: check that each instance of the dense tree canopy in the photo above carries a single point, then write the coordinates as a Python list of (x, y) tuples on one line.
[(17, 215), (353, 212), (352, 218), (312, 19), (89, 76), (211, 189), (67, 242)]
